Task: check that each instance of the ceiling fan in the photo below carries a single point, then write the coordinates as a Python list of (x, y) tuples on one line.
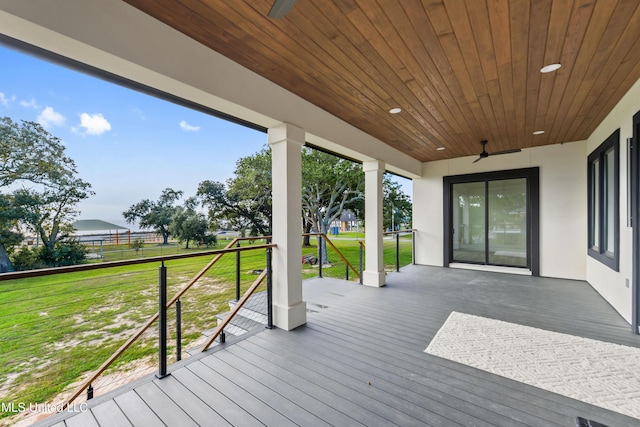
[(484, 154), (280, 8)]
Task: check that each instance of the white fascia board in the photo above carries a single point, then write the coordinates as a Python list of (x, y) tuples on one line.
[(118, 38)]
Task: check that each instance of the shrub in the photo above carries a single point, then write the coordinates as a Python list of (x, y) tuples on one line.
[(27, 259), (63, 253), (137, 245)]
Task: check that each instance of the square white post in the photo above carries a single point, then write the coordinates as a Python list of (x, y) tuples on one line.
[(373, 274), (289, 311)]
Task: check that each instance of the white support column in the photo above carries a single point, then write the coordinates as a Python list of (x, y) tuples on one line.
[(289, 311), (373, 274)]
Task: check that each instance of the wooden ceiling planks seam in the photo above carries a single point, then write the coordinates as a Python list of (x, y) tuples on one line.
[(519, 19), (576, 30), (396, 70), (577, 88), (447, 85)]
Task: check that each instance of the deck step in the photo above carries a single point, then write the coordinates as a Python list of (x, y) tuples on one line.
[(239, 324), (251, 316)]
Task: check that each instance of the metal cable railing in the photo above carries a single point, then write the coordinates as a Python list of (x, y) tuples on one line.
[(97, 324), (54, 327)]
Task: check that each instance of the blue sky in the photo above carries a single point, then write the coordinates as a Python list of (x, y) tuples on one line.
[(128, 145)]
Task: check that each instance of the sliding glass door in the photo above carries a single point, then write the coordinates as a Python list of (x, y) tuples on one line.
[(489, 218), (469, 219), (507, 231)]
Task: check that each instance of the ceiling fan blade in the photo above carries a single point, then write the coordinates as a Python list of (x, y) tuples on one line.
[(280, 8), (515, 150)]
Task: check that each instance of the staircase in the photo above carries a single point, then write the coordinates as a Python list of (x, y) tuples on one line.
[(250, 317)]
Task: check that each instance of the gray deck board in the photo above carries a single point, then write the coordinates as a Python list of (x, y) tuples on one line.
[(201, 413), (83, 419), (360, 360), (260, 410), (244, 377), (287, 385), (166, 409), (137, 411), (110, 415), (231, 411)]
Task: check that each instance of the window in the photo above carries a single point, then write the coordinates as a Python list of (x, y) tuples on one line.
[(604, 202)]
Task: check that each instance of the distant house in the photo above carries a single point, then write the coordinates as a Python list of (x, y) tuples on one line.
[(348, 221)]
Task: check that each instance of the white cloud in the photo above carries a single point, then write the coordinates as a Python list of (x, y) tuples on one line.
[(30, 104), (4, 100), (49, 117), (94, 124), (186, 126)]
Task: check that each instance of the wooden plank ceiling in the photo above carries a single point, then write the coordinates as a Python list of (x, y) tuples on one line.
[(460, 70)]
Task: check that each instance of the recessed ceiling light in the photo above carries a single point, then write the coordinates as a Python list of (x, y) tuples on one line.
[(538, 132), (549, 68), (440, 148), (395, 110)]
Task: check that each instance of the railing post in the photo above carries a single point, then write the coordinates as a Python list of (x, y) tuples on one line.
[(269, 291), (162, 321), (238, 273), (361, 256), (178, 330), (397, 252), (346, 275), (90, 392), (320, 241), (413, 247)]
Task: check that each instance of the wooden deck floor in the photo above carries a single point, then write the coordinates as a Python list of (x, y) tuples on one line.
[(360, 361)]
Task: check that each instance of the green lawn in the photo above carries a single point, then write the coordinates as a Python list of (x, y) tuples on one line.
[(54, 329)]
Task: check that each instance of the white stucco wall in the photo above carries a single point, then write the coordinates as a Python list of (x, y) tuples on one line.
[(615, 286), (563, 204)]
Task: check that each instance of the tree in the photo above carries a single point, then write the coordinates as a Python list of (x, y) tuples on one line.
[(49, 212), (36, 160), (9, 216), (155, 215), (29, 153), (244, 201), (188, 224), (396, 205), (329, 185)]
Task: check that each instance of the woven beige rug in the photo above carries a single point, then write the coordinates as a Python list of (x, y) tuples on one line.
[(596, 372)]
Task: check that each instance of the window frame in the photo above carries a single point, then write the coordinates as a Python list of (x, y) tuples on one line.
[(597, 214)]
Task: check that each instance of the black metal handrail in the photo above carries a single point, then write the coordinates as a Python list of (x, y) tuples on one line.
[(163, 305)]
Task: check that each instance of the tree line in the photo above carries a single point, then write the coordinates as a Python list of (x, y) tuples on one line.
[(40, 190), (330, 185)]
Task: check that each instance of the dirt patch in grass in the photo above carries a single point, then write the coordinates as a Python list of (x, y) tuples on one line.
[(132, 371)]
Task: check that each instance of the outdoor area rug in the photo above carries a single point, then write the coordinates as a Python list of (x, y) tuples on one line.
[(595, 372)]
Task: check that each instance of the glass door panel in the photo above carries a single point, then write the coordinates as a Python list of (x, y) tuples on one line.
[(469, 222), (507, 222)]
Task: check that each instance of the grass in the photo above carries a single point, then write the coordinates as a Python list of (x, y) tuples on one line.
[(54, 329)]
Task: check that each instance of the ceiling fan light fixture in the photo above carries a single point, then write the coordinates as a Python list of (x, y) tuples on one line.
[(395, 110), (280, 8), (550, 68), (538, 132)]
